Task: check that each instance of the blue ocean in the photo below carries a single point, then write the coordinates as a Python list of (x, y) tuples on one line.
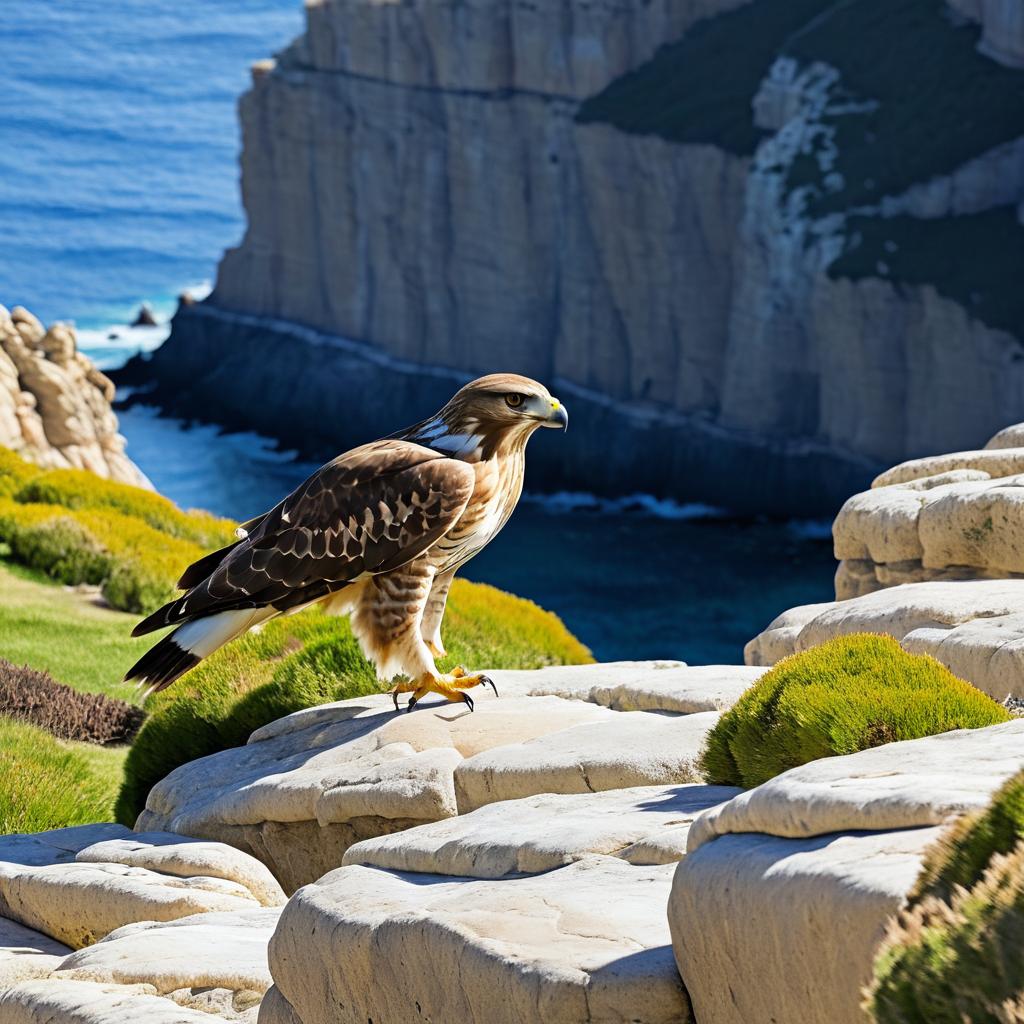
[(119, 185)]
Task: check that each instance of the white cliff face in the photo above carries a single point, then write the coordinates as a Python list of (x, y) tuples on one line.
[(54, 404), (416, 180)]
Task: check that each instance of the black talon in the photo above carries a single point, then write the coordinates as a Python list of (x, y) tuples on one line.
[(467, 700), (394, 697), (488, 681), (410, 705)]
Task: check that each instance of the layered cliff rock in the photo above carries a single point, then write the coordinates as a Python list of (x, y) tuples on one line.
[(54, 404), (719, 250)]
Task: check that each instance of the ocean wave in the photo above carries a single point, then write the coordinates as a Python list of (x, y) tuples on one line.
[(562, 502)]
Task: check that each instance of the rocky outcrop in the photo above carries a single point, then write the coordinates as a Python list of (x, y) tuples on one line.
[(836, 840), (974, 628), (1002, 22), (437, 189), (54, 404), (308, 787), (149, 914)]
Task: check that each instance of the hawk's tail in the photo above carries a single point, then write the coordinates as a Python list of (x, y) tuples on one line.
[(182, 650)]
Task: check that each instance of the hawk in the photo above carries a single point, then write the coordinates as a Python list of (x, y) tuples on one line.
[(377, 533)]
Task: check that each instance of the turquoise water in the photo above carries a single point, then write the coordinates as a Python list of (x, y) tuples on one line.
[(118, 185)]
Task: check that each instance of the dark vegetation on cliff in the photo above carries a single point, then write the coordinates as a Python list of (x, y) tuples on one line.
[(914, 100)]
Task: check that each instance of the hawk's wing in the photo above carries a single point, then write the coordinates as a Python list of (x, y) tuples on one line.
[(367, 511)]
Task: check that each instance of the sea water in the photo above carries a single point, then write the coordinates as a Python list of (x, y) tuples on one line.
[(119, 184)]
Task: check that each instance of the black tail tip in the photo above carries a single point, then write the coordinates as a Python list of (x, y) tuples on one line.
[(161, 665)]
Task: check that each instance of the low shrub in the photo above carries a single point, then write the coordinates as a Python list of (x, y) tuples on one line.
[(75, 489), (846, 695), (36, 697), (303, 660), (954, 954), (15, 472), (45, 784)]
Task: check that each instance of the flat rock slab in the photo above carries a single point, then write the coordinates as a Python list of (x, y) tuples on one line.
[(83, 1002), (214, 962), (78, 904), (770, 929), (635, 749), (309, 785), (58, 846), (26, 954), (975, 628), (898, 785), (587, 942), (643, 825), (182, 857), (638, 685)]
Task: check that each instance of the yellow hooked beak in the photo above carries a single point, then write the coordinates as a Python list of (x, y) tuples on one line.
[(558, 416)]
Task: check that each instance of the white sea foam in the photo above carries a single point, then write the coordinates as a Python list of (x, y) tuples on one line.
[(562, 502)]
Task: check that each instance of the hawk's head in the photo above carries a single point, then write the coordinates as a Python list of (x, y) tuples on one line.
[(491, 413)]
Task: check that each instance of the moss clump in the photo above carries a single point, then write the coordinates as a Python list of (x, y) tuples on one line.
[(47, 784), (954, 954), (846, 695), (312, 658), (77, 528), (37, 698)]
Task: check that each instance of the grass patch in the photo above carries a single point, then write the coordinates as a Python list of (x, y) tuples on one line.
[(67, 634), (46, 784), (77, 528), (922, 252), (849, 694), (954, 954), (311, 658)]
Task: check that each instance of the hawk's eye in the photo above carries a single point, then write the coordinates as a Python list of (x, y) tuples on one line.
[(514, 401)]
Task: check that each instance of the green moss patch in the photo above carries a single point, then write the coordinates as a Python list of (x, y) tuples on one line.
[(849, 694)]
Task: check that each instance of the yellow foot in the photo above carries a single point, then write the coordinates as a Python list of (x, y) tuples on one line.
[(452, 687), (408, 687)]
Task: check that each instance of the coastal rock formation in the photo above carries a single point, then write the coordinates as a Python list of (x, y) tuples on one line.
[(54, 404), (746, 281), (943, 517), (307, 787), (974, 628), (841, 839)]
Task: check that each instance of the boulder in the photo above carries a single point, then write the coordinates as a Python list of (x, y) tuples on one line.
[(643, 825), (555, 947), (26, 954), (214, 962), (975, 628), (898, 785), (772, 929), (85, 1002), (635, 749), (308, 786), (77, 885)]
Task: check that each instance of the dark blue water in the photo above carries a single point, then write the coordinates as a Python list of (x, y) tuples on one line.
[(119, 146), (119, 184)]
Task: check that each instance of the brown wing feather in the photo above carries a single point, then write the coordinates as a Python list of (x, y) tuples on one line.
[(368, 511)]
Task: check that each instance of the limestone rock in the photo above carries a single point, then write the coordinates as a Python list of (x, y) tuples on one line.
[(78, 884), (54, 404), (772, 929), (643, 825), (309, 785), (26, 954), (638, 686), (215, 962), (635, 749), (975, 628), (898, 785), (551, 947), (83, 1002)]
